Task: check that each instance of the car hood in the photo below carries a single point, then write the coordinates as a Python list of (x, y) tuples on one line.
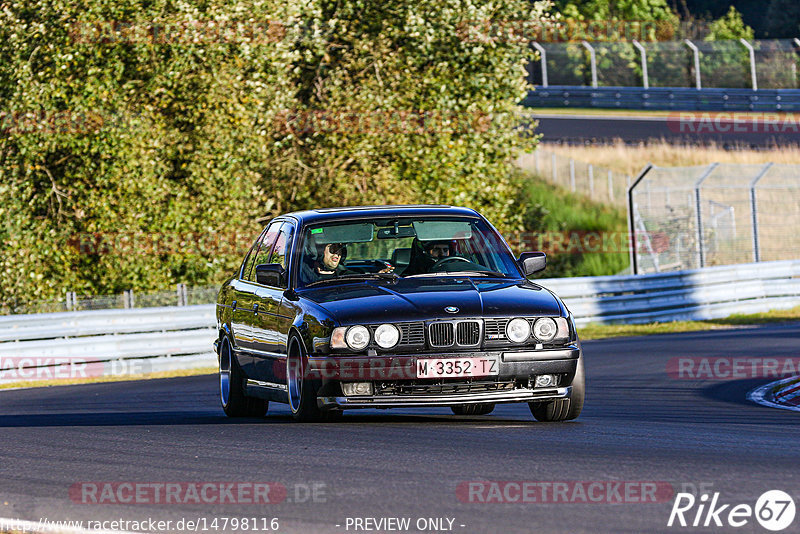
[(426, 298)]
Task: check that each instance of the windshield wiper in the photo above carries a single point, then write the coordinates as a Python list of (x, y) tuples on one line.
[(357, 276), (458, 273)]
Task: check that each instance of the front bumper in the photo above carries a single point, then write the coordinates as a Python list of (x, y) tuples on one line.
[(399, 385), (398, 401)]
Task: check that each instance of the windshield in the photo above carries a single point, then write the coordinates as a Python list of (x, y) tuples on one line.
[(402, 247)]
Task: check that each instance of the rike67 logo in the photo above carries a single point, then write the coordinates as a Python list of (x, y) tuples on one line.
[(774, 510)]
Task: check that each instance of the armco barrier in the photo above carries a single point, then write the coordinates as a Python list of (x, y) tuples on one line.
[(664, 98), (175, 337), (708, 293)]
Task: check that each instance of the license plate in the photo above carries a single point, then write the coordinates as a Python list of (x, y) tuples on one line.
[(456, 367)]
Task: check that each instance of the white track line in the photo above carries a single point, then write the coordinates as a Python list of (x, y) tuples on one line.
[(763, 395)]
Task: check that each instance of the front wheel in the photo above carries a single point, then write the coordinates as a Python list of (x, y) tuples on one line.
[(231, 387), (563, 409), (301, 389)]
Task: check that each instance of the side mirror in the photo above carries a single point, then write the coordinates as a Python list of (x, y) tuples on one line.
[(270, 274), (532, 262)]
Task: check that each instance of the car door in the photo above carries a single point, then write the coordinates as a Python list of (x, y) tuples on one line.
[(244, 324), (273, 326)]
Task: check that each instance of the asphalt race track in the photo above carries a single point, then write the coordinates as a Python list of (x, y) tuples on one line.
[(581, 129), (639, 424)]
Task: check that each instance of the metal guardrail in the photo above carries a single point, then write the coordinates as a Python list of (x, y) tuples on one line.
[(181, 337), (664, 98), (700, 294)]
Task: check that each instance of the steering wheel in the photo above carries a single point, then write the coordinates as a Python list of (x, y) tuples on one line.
[(434, 267)]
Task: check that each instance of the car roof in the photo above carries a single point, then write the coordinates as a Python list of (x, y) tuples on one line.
[(375, 212)]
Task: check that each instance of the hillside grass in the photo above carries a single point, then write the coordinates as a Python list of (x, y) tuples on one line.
[(631, 159), (553, 211)]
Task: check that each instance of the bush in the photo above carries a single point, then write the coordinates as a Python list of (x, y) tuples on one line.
[(134, 160)]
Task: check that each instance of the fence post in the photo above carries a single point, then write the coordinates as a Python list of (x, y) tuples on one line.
[(553, 171), (572, 174), (754, 210), (592, 60), (536, 161), (543, 53), (610, 187), (753, 79), (643, 54), (701, 259), (591, 181), (696, 54), (631, 222)]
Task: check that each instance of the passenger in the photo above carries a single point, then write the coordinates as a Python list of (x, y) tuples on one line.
[(425, 254)]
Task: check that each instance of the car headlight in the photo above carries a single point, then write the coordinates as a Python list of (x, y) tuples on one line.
[(544, 329), (357, 337), (518, 330), (387, 336)]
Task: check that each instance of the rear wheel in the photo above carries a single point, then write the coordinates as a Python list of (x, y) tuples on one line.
[(473, 409), (302, 390), (563, 409), (231, 387)]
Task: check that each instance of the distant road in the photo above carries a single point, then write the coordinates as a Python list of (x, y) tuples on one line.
[(721, 129)]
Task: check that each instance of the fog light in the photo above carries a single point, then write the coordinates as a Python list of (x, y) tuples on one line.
[(353, 389), (543, 381)]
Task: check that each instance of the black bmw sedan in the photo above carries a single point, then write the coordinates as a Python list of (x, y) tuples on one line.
[(393, 306)]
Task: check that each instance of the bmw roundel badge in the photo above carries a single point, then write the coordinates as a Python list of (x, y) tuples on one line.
[(451, 309)]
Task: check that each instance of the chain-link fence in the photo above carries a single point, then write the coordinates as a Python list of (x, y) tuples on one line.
[(763, 64), (182, 295), (595, 182), (720, 214)]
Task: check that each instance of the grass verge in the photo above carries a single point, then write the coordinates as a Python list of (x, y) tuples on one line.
[(601, 331), (100, 379)]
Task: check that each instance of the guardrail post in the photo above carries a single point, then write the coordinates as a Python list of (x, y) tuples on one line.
[(754, 210), (542, 53), (536, 161), (572, 174), (592, 60), (128, 300), (701, 259), (591, 181), (696, 54), (643, 54), (753, 78), (631, 222), (610, 186), (553, 170)]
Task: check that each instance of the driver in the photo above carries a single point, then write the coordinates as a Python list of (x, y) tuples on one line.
[(328, 263), (425, 254)]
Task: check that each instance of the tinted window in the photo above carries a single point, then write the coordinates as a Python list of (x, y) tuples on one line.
[(282, 246), (263, 250)]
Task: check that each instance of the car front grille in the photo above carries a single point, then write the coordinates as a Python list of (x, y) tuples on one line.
[(412, 333), (441, 334), (449, 333), (495, 329), (416, 388)]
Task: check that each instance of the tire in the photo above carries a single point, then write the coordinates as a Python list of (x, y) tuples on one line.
[(563, 409), (473, 409), (301, 390), (231, 387)]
